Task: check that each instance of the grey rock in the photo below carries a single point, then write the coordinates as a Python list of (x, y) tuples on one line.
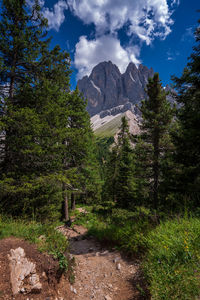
[(108, 297), (116, 260), (106, 87), (104, 253), (21, 268)]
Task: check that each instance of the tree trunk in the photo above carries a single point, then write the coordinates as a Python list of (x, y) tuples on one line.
[(73, 202), (66, 206)]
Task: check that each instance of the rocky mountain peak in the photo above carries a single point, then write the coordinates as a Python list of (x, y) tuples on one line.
[(107, 88)]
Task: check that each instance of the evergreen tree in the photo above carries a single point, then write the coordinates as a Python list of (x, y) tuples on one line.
[(35, 85), (120, 184), (81, 149), (156, 121), (125, 187), (187, 139), (21, 44)]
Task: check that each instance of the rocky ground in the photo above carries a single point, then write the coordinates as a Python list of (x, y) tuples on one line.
[(102, 274)]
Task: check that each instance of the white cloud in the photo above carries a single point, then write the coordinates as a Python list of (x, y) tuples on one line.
[(188, 34), (145, 18), (91, 52), (172, 55), (56, 15), (175, 2)]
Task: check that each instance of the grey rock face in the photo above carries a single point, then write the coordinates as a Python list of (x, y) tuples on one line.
[(119, 109), (106, 87)]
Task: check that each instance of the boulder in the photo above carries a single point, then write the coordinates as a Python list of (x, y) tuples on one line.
[(24, 278)]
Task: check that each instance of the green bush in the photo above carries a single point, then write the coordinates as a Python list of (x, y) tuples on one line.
[(122, 229), (172, 265)]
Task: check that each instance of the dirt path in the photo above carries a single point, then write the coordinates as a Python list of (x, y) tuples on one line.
[(101, 274)]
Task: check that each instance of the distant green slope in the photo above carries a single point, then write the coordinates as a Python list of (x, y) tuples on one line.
[(109, 129)]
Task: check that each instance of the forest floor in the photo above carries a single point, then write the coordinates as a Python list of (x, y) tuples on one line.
[(102, 274)]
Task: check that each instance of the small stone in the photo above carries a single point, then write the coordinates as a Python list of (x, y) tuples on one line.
[(104, 253), (74, 290), (108, 297), (23, 291), (44, 275), (118, 267), (42, 238)]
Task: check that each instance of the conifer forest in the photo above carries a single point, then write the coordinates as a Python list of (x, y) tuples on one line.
[(137, 193)]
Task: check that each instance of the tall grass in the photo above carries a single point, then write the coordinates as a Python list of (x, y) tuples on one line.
[(172, 264)]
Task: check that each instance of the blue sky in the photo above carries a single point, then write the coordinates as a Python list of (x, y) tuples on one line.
[(156, 33)]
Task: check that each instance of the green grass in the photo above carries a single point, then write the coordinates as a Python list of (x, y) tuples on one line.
[(118, 228), (46, 237), (172, 264), (109, 129)]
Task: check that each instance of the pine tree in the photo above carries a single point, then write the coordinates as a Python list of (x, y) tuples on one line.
[(187, 139), (35, 85), (156, 120), (80, 162), (21, 44), (120, 184)]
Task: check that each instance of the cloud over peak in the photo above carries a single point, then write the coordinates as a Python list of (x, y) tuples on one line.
[(144, 20), (91, 52)]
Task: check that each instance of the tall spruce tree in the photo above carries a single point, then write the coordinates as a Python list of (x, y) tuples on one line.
[(156, 120), (80, 150), (187, 139), (21, 33), (35, 93), (120, 183)]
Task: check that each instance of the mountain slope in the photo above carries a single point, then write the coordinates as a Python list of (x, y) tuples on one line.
[(109, 125)]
